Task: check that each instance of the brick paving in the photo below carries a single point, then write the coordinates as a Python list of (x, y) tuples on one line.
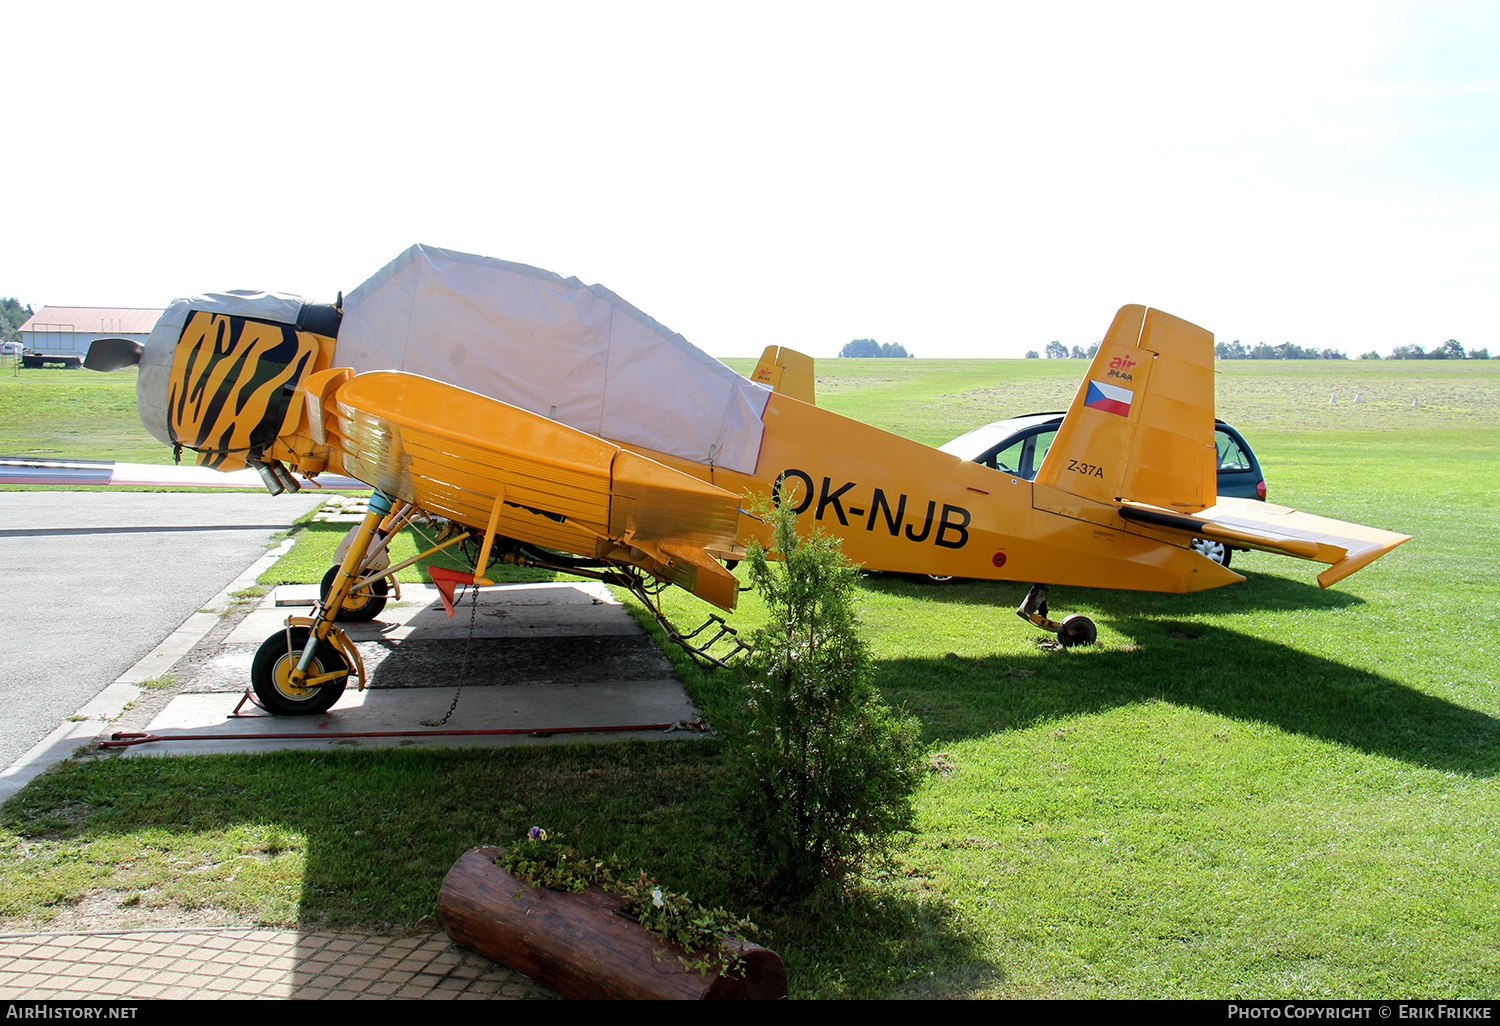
[(250, 963)]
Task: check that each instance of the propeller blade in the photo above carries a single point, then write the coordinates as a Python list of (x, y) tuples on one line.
[(111, 354)]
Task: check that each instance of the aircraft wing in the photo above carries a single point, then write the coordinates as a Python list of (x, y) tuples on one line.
[(23, 470), (480, 461), (1251, 524)]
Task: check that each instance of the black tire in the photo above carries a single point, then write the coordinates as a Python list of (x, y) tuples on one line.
[(1214, 550), (1077, 630), (357, 608), (273, 663)]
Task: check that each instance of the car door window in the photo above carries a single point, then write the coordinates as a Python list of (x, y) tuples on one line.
[(1231, 456), (1039, 444), (1007, 460)]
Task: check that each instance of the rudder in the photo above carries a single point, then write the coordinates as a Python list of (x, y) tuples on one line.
[(788, 372), (1141, 426)]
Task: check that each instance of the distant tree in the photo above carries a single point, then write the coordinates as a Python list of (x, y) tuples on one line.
[(1056, 350), (1077, 353), (1371, 355), (1261, 351), (1032, 354), (1092, 351), (12, 316), (1479, 354), (1450, 349), (1408, 353), (869, 347), (1334, 354)]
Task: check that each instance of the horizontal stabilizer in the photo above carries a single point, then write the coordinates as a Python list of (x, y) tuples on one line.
[(1250, 524)]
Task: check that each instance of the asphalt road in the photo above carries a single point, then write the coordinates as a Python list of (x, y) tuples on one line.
[(91, 582)]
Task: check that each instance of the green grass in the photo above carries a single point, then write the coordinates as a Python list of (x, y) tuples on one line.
[(1267, 790), (77, 413)]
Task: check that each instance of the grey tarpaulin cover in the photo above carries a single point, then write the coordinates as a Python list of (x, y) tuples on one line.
[(576, 353)]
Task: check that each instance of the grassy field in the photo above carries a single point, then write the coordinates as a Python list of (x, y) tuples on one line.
[(1267, 790), (77, 413)]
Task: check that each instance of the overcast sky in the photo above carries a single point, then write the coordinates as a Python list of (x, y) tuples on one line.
[(965, 179)]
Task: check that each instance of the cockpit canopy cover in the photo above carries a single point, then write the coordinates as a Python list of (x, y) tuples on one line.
[(575, 353)]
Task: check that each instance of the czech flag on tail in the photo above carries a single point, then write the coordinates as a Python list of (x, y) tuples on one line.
[(1110, 398)]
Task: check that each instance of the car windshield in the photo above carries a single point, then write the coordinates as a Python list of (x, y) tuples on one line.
[(982, 441), (976, 443)]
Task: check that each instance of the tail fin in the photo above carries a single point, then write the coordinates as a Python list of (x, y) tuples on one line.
[(788, 372), (1141, 428)]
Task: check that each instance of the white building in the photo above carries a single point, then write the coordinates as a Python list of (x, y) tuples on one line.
[(62, 334)]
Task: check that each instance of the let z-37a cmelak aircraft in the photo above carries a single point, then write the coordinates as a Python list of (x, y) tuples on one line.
[(538, 421)]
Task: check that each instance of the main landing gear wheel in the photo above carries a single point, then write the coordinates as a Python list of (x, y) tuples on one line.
[(360, 606), (1077, 630), (270, 675), (1214, 550)]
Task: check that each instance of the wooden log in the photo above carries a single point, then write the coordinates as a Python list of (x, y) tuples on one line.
[(576, 943)]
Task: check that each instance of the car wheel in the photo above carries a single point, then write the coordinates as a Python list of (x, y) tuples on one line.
[(1214, 550)]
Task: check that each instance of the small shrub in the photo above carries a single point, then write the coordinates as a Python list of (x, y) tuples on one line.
[(828, 771)]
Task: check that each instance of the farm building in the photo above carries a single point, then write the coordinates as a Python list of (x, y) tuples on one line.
[(62, 334)]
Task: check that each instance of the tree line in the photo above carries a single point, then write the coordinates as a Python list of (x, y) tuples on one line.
[(1237, 350), (1449, 350), (869, 347)]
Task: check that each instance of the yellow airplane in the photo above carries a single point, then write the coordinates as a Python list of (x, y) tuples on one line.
[(544, 422)]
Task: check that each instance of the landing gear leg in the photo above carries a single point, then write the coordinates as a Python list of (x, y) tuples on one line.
[(294, 681), (1074, 630)]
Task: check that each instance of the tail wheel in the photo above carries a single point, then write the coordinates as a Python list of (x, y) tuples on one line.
[(1077, 630), (271, 671), (358, 606)]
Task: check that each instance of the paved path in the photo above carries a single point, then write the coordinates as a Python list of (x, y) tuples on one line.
[(91, 582), (249, 963)]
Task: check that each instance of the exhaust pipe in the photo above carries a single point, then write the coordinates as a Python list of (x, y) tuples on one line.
[(276, 477)]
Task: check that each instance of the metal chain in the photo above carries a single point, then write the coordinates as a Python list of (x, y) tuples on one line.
[(463, 670)]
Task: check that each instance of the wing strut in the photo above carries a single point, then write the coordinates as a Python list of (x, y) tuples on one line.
[(444, 579)]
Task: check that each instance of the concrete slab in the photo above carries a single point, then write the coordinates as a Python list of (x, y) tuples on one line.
[(552, 610), (538, 714), (545, 663), (486, 661)]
